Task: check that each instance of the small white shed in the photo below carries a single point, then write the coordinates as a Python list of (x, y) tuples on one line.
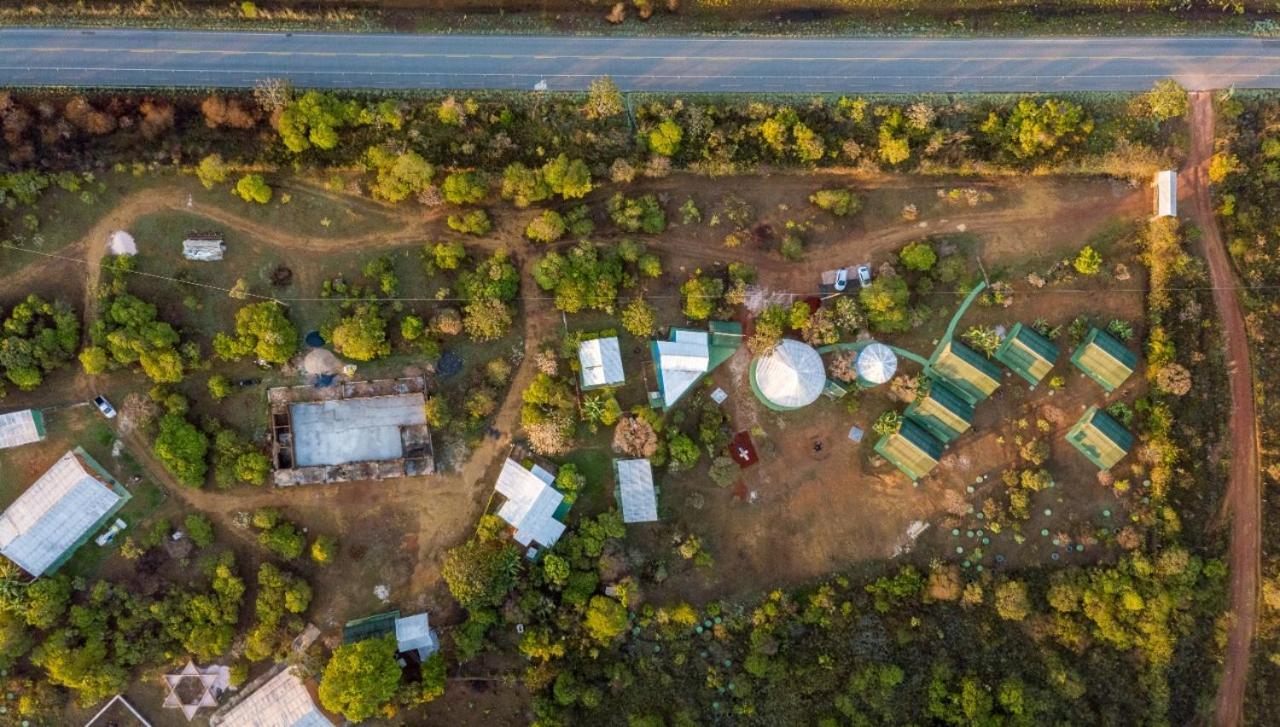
[(203, 248), (1166, 194)]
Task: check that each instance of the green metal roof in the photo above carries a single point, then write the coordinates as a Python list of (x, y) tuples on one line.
[(943, 412), (725, 340), (1104, 359), (1100, 438), (1027, 353), (911, 449), (968, 371), (370, 627)]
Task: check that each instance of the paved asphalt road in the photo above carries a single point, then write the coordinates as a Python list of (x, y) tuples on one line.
[(140, 58)]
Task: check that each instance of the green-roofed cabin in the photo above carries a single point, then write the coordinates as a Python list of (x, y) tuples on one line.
[(943, 412), (1105, 359), (1027, 353), (968, 371), (1100, 437), (370, 627), (911, 449)]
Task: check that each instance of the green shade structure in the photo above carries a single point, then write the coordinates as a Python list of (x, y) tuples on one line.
[(1027, 353), (1104, 359), (1100, 438), (968, 371), (943, 411), (688, 355), (911, 449)]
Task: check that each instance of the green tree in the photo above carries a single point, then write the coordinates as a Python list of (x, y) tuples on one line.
[(918, 256), (487, 319), (447, 255), (839, 202), (399, 176), (284, 539), (1032, 131), (701, 296), (212, 170), (683, 451), (219, 387), (1166, 100), (314, 119), (639, 318), (569, 178), (480, 574), (47, 599), (524, 186), (1012, 603), (361, 678), (637, 214), (464, 188), (1088, 261), (471, 222), (606, 619), (253, 188), (604, 100), (362, 334), (199, 528), (548, 226), (665, 138), (885, 300), (182, 449)]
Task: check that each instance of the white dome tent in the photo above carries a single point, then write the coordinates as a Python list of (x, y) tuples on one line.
[(121, 243), (790, 376), (876, 364)]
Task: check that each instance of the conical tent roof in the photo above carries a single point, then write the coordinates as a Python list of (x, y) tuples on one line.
[(792, 375), (876, 363)]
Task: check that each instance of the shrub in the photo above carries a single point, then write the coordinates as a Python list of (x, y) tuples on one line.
[(1088, 261), (546, 227), (839, 202), (918, 256), (219, 387), (471, 222), (253, 188)]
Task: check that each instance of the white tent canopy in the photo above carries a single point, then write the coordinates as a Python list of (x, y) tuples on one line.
[(18, 428), (635, 483), (121, 243), (52, 516), (601, 362), (531, 504), (282, 702), (791, 375), (681, 362), (876, 363)]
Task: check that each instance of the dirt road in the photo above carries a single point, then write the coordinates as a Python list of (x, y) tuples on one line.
[(1243, 488)]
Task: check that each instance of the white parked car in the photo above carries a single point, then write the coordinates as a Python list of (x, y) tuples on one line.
[(105, 407), (864, 275), (842, 278)]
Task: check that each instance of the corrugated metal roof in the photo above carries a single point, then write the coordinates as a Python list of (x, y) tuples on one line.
[(1105, 359), (944, 412), (282, 702), (1027, 353), (414, 633), (21, 427), (635, 483), (530, 506), (55, 515), (601, 362), (680, 362), (971, 373), (911, 449), (1100, 438), (1166, 193)]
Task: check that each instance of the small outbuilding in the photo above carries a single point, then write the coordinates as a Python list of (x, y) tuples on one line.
[(600, 361), (204, 248), (1100, 438), (789, 377), (912, 449), (531, 504), (942, 411), (1166, 194), (636, 493), (971, 373), (45, 526), (1103, 358), (1027, 353), (415, 635), (687, 356), (21, 427)]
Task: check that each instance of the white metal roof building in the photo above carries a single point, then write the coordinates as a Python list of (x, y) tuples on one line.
[(790, 376), (681, 362), (531, 504), (635, 490), (57, 514), (1167, 194), (21, 427), (282, 702), (601, 362), (876, 364), (414, 633), (203, 249)]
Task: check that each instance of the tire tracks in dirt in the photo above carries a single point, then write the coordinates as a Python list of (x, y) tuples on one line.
[(1243, 498)]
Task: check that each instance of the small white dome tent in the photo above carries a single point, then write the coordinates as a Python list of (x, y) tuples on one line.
[(121, 243), (876, 364), (790, 376)]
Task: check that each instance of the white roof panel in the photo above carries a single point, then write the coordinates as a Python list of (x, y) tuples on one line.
[(531, 505), (282, 702), (601, 362), (18, 428), (53, 514), (682, 362), (1166, 194), (791, 375), (635, 482), (414, 633)]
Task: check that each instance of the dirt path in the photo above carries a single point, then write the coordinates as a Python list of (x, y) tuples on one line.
[(1243, 488)]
